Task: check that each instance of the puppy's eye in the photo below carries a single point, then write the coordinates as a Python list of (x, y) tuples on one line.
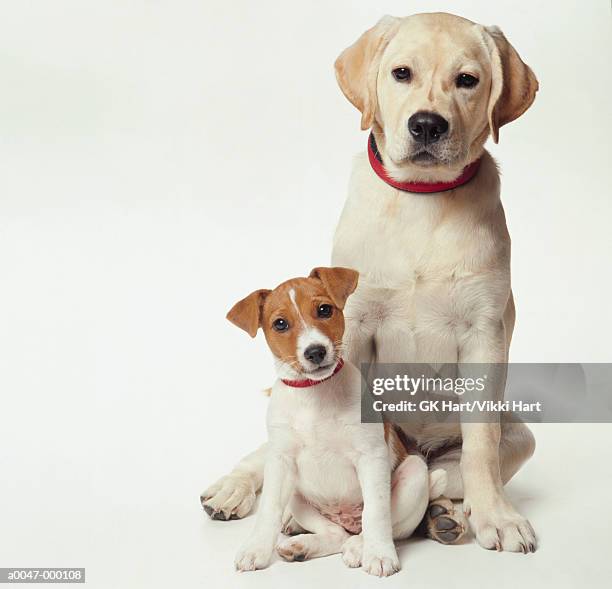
[(402, 74), (324, 311), (280, 325), (466, 81)]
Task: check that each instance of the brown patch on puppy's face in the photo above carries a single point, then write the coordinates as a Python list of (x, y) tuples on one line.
[(302, 320)]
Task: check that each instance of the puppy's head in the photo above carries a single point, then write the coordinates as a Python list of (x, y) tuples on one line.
[(433, 86), (302, 320)]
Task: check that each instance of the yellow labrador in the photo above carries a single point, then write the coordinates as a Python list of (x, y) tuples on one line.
[(424, 226)]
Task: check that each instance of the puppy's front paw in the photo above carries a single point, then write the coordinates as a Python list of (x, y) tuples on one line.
[(380, 560), (352, 551), (231, 497), (252, 557)]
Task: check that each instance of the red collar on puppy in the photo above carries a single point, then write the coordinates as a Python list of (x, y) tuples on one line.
[(424, 187), (300, 384)]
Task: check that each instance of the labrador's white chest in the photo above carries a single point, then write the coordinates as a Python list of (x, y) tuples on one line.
[(420, 258)]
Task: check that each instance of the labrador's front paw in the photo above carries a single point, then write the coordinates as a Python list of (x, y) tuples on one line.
[(497, 525), (253, 556), (380, 559), (231, 497)]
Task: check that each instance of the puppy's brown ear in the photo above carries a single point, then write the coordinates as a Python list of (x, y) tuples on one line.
[(513, 84), (339, 283), (357, 68), (246, 313)]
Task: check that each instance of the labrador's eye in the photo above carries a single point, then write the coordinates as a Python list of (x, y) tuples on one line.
[(466, 81), (280, 325), (402, 74), (324, 311)]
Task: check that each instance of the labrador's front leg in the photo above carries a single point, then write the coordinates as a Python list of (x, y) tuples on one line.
[(379, 555), (279, 476), (493, 518)]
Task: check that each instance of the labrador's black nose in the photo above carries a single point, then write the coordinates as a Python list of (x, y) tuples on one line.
[(427, 127), (315, 353)]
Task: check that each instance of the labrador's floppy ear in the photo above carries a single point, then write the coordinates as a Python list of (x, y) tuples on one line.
[(246, 313), (339, 283), (357, 68), (513, 84)]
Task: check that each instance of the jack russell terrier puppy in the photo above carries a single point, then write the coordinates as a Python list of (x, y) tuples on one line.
[(355, 486)]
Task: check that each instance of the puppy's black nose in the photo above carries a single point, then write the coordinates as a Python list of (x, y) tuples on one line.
[(427, 127), (315, 353)]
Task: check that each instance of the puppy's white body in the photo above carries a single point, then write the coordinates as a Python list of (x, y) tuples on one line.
[(320, 429), (331, 470)]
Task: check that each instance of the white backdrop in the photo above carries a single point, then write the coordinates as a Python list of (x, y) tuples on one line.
[(158, 161)]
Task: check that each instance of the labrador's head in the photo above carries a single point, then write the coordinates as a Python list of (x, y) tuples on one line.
[(432, 87)]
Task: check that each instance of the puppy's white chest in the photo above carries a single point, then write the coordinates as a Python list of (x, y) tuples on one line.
[(326, 467), (327, 478), (325, 432)]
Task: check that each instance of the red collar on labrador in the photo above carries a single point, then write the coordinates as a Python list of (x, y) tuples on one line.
[(423, 187), (300, 384)]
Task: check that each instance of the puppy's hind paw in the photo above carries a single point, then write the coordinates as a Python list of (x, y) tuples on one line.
[(231, 497), (293, 549), (443, 523)]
